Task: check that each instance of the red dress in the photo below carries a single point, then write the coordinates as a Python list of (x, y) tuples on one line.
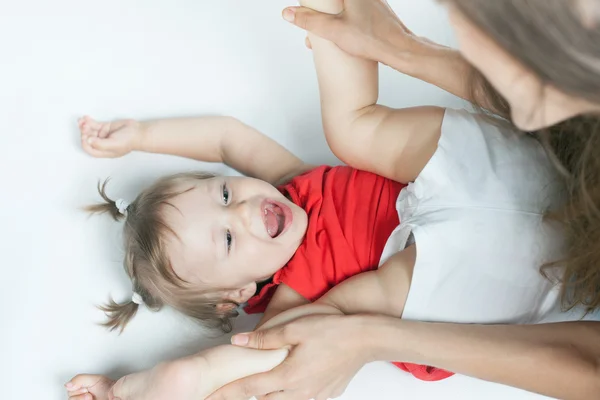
[(351, 214)]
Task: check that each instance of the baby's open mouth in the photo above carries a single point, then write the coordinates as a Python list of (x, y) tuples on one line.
[(274, 217)]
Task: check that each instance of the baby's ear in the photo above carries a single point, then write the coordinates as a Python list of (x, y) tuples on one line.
[(247, 292), (241, 295)]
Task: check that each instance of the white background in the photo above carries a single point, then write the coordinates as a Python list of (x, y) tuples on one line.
[(60, 59)]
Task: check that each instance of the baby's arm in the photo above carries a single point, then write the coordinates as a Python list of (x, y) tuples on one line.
[(393, 143), (208, 139), (284, 299), (383, 291)]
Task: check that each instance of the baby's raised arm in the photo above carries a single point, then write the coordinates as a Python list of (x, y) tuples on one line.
[(208, 139), (393, 143)]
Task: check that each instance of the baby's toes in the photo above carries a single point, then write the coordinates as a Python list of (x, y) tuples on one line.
[(85, 396), (77, 392)]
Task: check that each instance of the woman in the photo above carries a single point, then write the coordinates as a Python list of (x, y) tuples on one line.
[(537, 62)]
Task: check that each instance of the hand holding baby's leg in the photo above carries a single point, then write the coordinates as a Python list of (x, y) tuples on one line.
[(194, 377), (321, 307)]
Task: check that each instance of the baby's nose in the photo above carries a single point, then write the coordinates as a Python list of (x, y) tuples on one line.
[(243, 213)]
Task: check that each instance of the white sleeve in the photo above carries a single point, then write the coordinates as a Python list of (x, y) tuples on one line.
[(480, 164)]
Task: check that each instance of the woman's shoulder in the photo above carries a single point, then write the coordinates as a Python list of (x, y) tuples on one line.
[(482, 160), (492, 141)]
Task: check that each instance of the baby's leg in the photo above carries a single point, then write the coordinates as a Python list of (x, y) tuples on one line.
[(225, 364), (324, 6)]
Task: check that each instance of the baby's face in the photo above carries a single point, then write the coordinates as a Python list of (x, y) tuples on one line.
[(232, 232)]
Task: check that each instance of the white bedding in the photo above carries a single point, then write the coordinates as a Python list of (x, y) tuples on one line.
[(61, 59)]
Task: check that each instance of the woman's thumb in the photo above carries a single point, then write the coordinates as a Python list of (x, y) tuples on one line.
[(313, 21), (269, 339)]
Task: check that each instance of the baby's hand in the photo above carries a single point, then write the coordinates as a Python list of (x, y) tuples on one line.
[(89, 387), (109, 139)]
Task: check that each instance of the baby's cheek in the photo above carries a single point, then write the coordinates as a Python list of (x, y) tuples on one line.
[(270, 258)]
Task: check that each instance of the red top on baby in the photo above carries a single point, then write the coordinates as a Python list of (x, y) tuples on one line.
[(351, 214)]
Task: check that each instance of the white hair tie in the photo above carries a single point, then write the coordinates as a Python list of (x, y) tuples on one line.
[(137, 299), (122, 206)]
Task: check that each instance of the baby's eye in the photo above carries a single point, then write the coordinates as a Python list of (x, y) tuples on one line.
[(225, 193), (228, 240)]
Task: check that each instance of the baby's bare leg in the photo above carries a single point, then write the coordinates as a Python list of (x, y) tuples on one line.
[(197, 376), (324, 6), (225, 364)]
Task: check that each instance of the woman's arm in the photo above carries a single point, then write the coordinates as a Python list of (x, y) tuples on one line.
[(208, 139), (559, 360), (371, 30)]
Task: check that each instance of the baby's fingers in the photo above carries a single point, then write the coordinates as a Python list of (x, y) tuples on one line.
[(93, 148), (90, 122)]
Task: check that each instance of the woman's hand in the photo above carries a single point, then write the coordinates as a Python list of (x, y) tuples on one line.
[(327, 352), (89, 387), (109, 139), (366, 28)]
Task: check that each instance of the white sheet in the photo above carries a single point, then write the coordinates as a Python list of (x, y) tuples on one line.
[(61, 59)]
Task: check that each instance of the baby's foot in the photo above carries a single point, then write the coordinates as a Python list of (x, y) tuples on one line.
[(225, 364), (89, 387), (179, 379)]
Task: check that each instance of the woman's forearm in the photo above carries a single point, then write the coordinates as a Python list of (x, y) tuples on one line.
[(445, 68), (433, 63), (560, 360)]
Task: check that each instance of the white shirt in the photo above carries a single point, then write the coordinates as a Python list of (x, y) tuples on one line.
[(477, 215)]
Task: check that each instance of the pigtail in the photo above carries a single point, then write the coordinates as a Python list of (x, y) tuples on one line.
[(118, 315), (116, 210)]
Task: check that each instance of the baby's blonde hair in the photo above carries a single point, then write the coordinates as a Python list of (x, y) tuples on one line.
[(146, 261)]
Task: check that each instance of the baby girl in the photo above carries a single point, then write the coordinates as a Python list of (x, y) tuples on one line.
[(286, 233)]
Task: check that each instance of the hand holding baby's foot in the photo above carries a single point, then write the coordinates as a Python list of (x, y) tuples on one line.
[(89, 387), (109, 139)]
